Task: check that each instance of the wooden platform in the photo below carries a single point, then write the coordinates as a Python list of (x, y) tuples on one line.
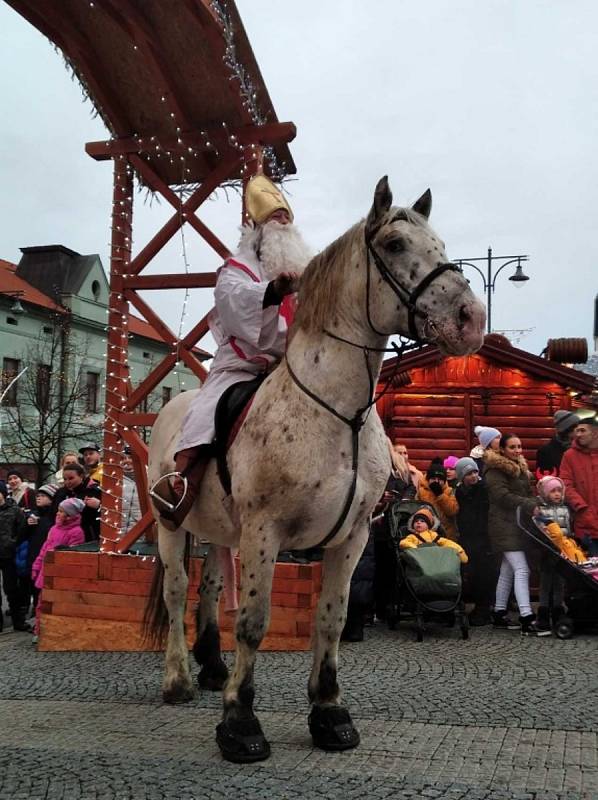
[(95, 601)]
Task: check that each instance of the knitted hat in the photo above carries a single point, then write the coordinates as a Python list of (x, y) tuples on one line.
[(547, 484), (426, 514), (72, 506), (485, 435), (436, 470), (3, 489), (565, 420), (14, 472), (449, 462), (49, 489), (464, 466)]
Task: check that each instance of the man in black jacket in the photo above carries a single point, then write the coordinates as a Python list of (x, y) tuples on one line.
[(76, 484), (12, 530), (550, 455)]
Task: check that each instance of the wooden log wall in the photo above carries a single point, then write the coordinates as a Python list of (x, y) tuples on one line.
[(437, 413)]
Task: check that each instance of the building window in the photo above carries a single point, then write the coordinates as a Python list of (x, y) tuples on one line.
[(11, 321), (146, 355), (92, 382), (95, 288), (47, 330), (42, 386), (10, 369), (166, 395)]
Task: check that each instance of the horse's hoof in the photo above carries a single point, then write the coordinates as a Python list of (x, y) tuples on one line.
[(242, 741), (178, 693), (332, 728), (212, 679)]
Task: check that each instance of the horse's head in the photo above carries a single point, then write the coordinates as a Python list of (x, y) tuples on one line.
[(412, 288)]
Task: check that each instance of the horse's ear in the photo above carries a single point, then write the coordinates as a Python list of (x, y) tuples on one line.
[(382, 202), (423, 206)]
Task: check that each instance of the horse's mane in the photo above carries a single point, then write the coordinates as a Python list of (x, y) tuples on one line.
[(322, 280)]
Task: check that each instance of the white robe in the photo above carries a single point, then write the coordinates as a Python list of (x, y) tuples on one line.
[(251, 340)]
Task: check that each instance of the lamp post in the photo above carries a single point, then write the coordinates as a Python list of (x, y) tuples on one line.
[(489, 279)]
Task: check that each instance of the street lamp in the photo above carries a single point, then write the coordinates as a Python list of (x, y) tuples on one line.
[(518, 277)]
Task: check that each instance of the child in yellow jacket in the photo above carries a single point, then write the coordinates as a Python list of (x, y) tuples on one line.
[(422, 524)]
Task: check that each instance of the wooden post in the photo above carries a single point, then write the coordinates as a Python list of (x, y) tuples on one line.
[(117, 343)]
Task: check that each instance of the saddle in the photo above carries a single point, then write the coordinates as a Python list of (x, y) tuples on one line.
[(230, 414)]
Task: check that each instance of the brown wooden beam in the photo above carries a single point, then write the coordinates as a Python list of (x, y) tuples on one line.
[(150, 381), (150, 315), (136, 419), (192, 280), (212, 181), (146, 521), (153, 180), (194, 364), (269, 134)]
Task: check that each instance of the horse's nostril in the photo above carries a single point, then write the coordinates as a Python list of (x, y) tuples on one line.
[(465, 314)]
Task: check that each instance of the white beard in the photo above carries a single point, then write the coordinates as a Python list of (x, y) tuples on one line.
[(280, 248)]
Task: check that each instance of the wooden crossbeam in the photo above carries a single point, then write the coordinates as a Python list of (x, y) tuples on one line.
[(271, 133), (187, 210), (181, 280)]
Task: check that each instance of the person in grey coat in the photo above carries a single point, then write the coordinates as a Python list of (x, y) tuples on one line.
[(131, 510), (508, 480)]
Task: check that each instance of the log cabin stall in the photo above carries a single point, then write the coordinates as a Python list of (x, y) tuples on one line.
[(435, 403)]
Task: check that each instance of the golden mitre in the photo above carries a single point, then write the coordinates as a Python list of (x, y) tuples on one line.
[(263, 198)]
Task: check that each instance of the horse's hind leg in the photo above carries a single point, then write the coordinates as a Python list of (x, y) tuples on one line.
[(206, 650), (240, 735), (330, 724), (177, 686)]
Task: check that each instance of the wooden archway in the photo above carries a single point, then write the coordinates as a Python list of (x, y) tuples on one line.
[(180, 90)]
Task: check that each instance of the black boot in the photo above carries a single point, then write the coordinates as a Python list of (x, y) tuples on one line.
[(529, 626), (557, 613), (353, 630), (174, 499), (500, 621), (543, 618), (18, 621)]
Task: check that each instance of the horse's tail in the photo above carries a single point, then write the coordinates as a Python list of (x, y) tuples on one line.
[(155, 615)]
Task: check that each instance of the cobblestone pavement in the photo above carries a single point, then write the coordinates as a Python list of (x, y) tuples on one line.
[(494, 718)]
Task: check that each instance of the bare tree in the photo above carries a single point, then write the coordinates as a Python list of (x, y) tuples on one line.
[(50, 403)]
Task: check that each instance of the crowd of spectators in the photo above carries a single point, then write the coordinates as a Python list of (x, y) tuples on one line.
[(64, 512), (476, 499)]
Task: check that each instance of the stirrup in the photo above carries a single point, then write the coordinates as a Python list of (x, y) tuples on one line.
[(155, 496)]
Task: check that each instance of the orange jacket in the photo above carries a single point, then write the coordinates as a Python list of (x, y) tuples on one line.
[(444, 504), (431, 536)]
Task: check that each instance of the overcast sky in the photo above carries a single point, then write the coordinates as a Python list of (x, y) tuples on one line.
[(493, 105)]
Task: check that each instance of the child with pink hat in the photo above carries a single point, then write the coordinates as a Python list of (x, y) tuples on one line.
[(66, 532)]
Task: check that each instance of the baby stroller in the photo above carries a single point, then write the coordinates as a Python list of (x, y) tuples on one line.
[(428, 578), (581, 582)]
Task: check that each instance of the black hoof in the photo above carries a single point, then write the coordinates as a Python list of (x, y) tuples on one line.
[(177, 694), (332, 728), (242, 741), (212, 679)]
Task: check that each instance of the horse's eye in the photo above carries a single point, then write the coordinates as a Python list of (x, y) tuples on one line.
[(396, 245)]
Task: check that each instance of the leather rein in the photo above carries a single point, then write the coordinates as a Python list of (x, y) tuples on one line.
[(358, 420)]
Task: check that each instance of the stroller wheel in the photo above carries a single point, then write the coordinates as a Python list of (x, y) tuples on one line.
[(564, 628), (420, 635), (392, 617), (464, 632)]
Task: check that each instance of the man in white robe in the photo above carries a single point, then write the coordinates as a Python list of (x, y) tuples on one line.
[(254, 304)]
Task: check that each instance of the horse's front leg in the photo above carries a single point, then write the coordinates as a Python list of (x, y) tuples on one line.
[(330, 723), (177, 686), (206, 649), (239, 735)]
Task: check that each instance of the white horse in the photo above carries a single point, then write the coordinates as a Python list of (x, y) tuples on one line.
[(309, 462)]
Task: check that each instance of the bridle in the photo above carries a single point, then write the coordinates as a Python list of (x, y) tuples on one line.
[(409, 299)]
